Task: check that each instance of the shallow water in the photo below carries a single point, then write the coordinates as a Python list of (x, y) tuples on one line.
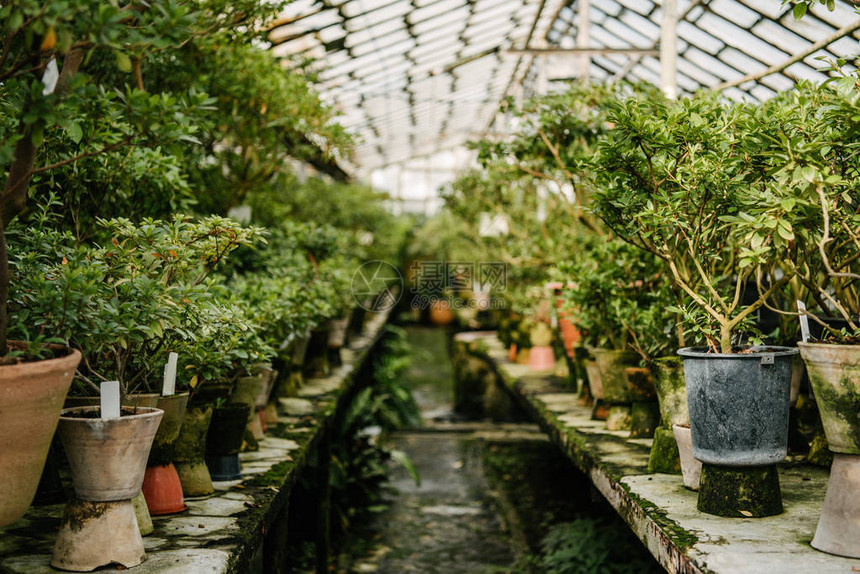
[(490, 491)]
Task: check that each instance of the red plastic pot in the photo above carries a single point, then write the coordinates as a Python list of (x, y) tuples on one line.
[(162, 490)]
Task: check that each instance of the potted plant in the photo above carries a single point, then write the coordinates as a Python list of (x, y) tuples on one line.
[(613, 279), (676, 179), (819, 184), (108, 462), (47, 101)]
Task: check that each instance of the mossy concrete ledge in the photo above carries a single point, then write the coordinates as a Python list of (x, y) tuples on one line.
[(244, 522), (657, 507)]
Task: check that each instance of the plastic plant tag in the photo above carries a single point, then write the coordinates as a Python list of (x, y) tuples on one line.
[(169, 385), (804, 321), (110, 399)]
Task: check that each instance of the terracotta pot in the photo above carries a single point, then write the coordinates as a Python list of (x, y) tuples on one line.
[(595, 382), (174, 407), (31, 398), (440, 313), (96, 534), (838, 530), (668, 376), (300, 350), (834, 373), (162, 490), (190, 452), (267, 384), (108, 456), (337, 332), (541, 359), (161, 486), (245, 392), (691, 468), (541, 335), (611, 364), (569, 334)]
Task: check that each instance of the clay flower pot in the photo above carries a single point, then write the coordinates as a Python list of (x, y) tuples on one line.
[(541, 356), (338, 331), (108, 460), (108, 456), (834, 373), (161, 487), (668, 377), (245, 392), (616, 390), (600, 411), (441, 313), (690, 467), (190, 452), (645, 413), (31, 398)]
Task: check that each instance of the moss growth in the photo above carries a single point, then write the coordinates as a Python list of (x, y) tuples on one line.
[(819, 454), (619, 418), (682, 539), (644, 418), (79, 513), (275, 476), (738, 492), (840, 404), (664, 455)]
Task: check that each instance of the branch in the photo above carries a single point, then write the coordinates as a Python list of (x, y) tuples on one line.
[(106, 149)]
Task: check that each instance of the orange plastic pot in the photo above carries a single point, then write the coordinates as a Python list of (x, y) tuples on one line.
[(541, 359), (162, 490)]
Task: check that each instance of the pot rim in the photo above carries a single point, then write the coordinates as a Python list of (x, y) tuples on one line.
[(829, 345), (757, 352), (145, 412), (45, 364)]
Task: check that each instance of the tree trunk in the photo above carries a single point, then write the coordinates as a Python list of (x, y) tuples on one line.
[(14, 197), (725, 339)]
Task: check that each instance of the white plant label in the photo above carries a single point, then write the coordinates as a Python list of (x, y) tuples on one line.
[(50, 77), (169, 385), (110, 399), (804, 321)]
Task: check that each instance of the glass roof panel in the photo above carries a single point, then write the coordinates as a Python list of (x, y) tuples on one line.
[(413, 77)]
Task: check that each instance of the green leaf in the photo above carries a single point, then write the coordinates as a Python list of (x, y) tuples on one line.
[(403, 460), (74, 132), (799, 10), (784, 230), (123, 61)]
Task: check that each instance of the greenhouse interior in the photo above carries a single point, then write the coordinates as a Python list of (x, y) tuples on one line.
[(434, 286)]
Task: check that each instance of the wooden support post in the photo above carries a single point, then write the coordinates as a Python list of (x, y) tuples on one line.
[(275, 544), (323, 541), (583, 35), (669, 49)]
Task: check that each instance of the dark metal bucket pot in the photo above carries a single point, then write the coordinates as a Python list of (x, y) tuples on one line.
[(739, 404)]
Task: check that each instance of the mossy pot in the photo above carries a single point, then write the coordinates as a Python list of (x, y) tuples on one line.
[(834, 373), (612, 364), (739, 404)]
